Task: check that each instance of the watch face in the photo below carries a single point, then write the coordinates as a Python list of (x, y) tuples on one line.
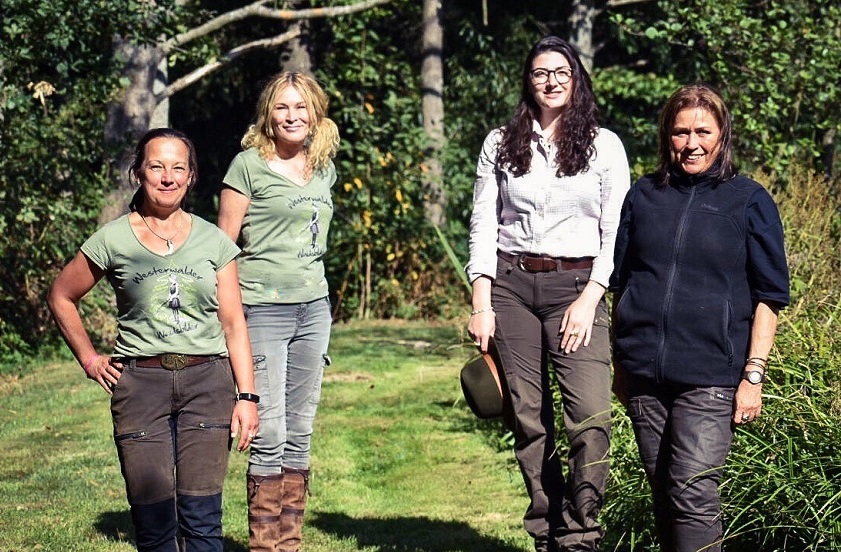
[(755, 377)]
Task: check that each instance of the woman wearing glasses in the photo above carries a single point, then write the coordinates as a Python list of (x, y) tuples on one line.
[(546, 203)]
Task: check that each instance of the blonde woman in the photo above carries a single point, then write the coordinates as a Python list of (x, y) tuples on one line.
[(272, 193)]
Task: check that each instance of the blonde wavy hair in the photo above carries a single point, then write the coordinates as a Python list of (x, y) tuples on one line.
[(323, 141)]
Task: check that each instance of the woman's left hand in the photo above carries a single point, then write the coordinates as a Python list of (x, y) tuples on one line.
[(245, 422), (747, 405), (577, 323)]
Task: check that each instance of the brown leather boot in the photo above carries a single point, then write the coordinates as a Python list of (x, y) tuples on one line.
[(265, 493), (296, 484)]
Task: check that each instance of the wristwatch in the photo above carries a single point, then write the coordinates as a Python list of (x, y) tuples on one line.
[(248, 397), (753, 376)]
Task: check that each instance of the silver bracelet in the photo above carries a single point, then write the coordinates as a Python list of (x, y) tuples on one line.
[(480, 311)]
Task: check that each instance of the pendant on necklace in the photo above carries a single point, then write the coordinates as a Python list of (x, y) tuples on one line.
[(169, 247)]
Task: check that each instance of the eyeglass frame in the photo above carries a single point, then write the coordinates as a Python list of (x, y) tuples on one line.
[(566, 71)]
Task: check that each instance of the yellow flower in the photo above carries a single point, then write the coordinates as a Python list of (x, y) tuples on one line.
[(358, 182)]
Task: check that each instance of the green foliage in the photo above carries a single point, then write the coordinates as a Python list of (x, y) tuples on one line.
[(383, 251), (627, 101), (775, 63), (57, 77)]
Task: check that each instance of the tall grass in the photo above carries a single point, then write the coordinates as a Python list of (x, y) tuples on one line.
[(781, 489)]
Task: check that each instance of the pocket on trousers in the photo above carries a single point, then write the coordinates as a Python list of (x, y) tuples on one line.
[(123, 382), (134, 436)]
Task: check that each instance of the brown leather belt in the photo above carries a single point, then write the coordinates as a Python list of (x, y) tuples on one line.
[(544, 263), (173, 361)]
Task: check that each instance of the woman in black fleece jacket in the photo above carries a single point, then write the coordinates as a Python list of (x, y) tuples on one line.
[(699, 275)]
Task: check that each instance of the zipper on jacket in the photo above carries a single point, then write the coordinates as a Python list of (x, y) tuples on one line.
[(667, 298)]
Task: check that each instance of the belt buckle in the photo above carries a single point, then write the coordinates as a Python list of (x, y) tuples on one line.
[(173, 361)]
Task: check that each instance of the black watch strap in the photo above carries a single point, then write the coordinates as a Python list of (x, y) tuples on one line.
[(248, 397)]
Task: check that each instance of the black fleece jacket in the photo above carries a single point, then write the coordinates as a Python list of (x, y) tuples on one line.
[(692, 259)]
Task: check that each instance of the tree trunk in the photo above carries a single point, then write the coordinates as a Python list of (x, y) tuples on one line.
[(432, 90), (135, 112), (581, 19), (297, 53)]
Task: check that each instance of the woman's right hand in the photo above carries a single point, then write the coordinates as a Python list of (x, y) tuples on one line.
[(481, 327), (482, 321), (105, 372)]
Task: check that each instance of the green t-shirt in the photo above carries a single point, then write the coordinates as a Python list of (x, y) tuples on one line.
[(165, 304), (284, 232)]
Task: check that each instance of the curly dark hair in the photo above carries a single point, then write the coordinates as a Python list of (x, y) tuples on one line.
[(574, 139)]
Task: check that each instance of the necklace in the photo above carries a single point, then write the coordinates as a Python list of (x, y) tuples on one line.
[(169, 245)]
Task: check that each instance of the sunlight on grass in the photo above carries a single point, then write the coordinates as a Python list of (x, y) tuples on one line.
[(399, 462)]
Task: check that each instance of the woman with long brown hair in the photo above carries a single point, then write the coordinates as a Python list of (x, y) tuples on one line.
[(548, 190)]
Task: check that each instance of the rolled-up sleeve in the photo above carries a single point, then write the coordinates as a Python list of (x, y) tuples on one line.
[(616, 180), (484, 221), (767, 267)]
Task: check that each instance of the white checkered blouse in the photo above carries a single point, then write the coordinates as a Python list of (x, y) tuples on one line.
[(539, 213)]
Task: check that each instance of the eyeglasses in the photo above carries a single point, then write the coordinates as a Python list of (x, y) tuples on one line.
[(541, 76)]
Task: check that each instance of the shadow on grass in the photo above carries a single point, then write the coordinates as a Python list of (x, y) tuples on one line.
[(117, 526), (408, 534)]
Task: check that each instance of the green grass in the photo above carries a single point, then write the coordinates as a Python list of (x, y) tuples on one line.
[(399, 463)]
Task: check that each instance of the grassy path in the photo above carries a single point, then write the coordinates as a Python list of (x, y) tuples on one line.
[(397, 462)]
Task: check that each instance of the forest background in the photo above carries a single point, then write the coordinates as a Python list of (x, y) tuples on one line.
[(414, 87)]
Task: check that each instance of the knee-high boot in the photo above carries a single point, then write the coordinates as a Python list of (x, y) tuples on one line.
[(265, 493), (296, 485)]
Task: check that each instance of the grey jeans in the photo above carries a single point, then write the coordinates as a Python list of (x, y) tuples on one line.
[(684, 435), (529, 308), (289, 343)]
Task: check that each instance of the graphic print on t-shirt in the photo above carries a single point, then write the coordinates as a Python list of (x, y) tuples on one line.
[(312, 225), (312, 230), (173, 295)]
